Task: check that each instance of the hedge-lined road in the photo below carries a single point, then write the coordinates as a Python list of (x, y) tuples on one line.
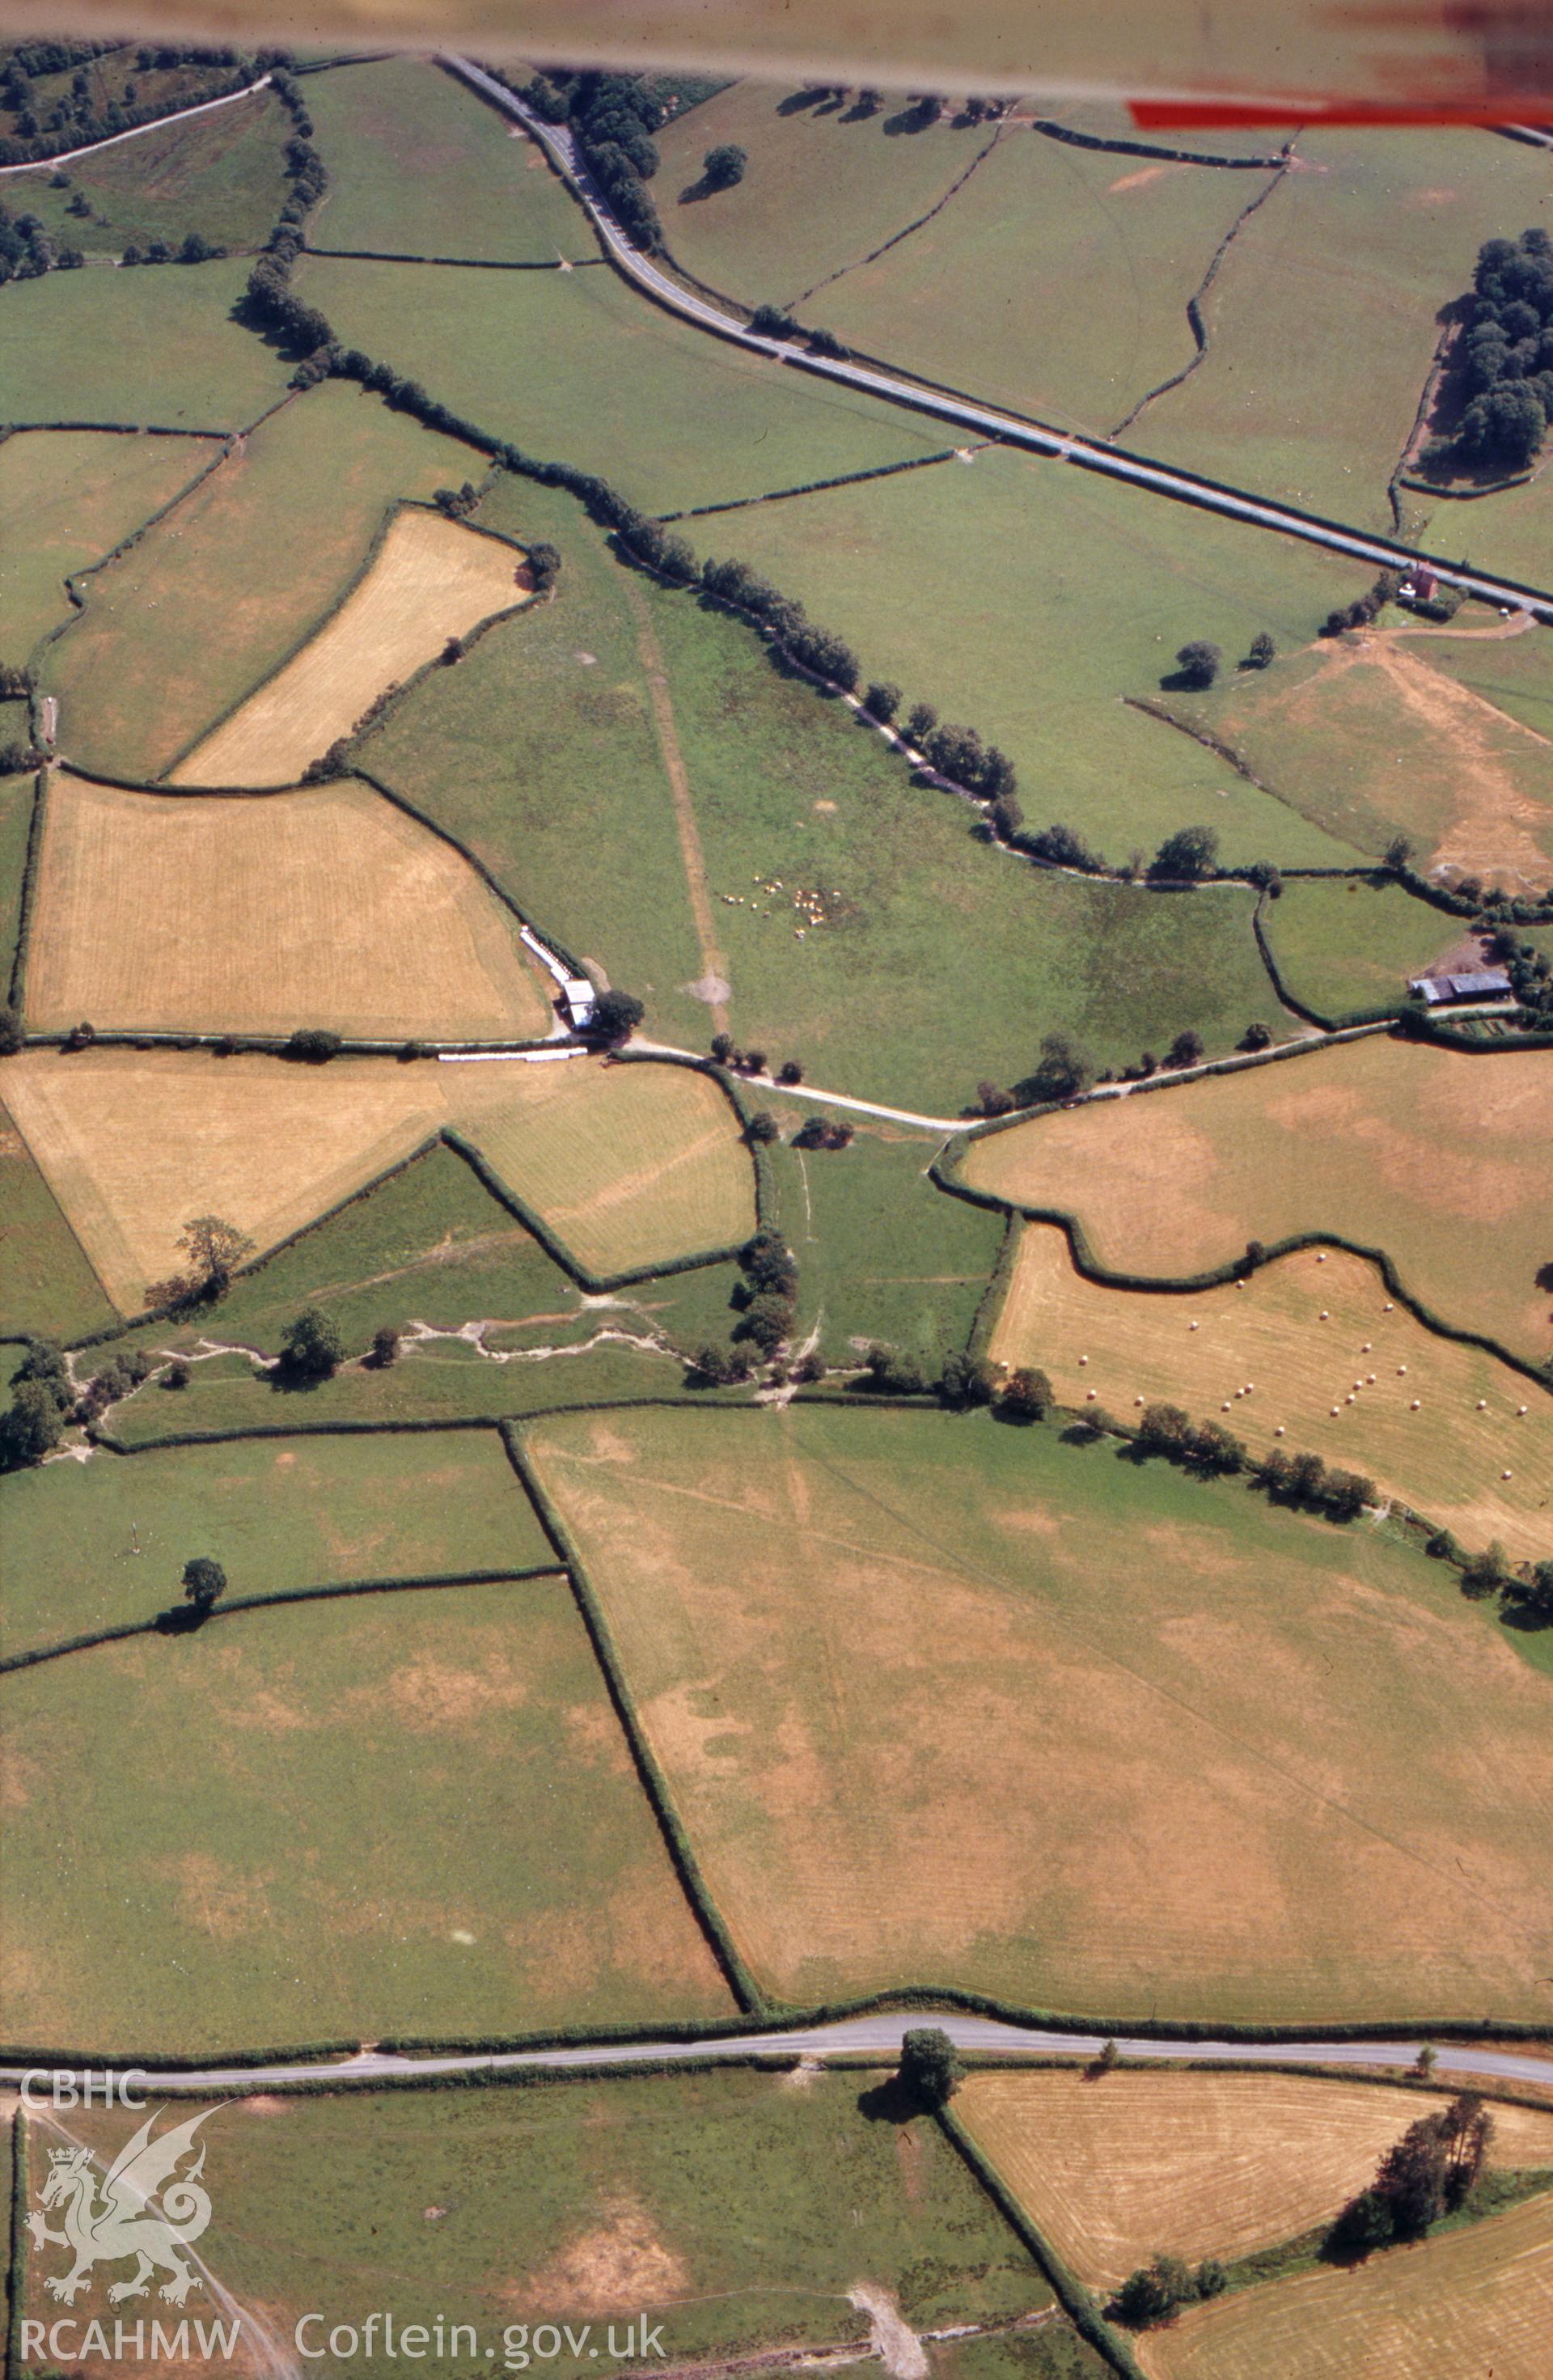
[(1089, 453), (880, 2033)]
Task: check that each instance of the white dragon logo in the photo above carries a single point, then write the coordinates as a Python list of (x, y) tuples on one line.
[(125, 2224)]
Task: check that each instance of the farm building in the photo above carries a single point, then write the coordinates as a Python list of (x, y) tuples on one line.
[(1486, 983)]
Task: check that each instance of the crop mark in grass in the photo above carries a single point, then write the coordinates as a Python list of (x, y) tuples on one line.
[(713, 958), (894, 241)]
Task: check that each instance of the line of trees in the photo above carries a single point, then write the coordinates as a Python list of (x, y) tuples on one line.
[(1505, 359)]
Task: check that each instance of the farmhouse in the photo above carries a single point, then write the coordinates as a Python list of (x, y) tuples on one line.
[(1485, 983)]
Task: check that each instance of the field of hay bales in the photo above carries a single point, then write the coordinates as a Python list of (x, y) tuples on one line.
[(157, 346), (1374, 737), (342, 1819), (1035, 601), (1256, 1356), (1345, 945), (1438, 1158), (220, 174), (89, 1545), (218, 594), (574, 365), (944, 1702), (631, 1165), (327, 906), (1195, 2164), (47, 1282), (1478, 2300), (431, 580), (734, 2210), (66, 497), (419, 166), (1376, 228)]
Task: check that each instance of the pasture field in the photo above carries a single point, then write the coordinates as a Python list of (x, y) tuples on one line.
[(432, 579), (1054, 2351), (220, 593), (1032, 600), (1438, 1158), (733, 2208), (46, 1284), (881, 1256), (66, 497), (1477, 2299), (944, 1702), (419, 166), (1343, 1388), (612, 386), (630, 1165), (274, 1513), (156, 345), (1510, 672), (343, 1820), (1511, 526), (1195, 2164), (497, 750), (326, 906), (1048, 236), (1355, 943), (765, 239), (1375, 227), (1372, 737), (221, 174)]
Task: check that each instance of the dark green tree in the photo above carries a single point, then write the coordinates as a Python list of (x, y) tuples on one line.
[(312, 1347), (1198, 662), (616, 1015), (930, 2067), (1263, 650), (1027, 1394), (724, 166), (203, 1580), (1191, 851)]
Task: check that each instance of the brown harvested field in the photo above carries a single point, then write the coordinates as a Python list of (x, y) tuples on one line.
[(133, 1143), (1119, 2170), (946, 1703), (1255, 1358), (327, 906), (1439, 1158), (430, 579), (1476, 2304)]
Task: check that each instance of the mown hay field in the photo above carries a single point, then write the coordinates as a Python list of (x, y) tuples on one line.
[(1438, 1158), (1374, 736), (419, 166), (89, 1545), (1343, 945), (631, 1165), (1183, 1755), (431, 580), (342, 1820), (1256, 1357), (1034, 600), (325, 907), (731, 2209), (574, 365), (221, 175), (66, 497), (47, 1287), (146, 346), (1323, 320), (223, 590), (1195, 2164), (1477, 2301)]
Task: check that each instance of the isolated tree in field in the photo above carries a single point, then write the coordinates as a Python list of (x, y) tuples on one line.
[(1027, 1394), (616, 1015), (1262, 652), (312, 1347), (385, 1346), (724, 165), (203, 1580), (1198, 662), (215, 1250), (1191, 851), (930, 2067)]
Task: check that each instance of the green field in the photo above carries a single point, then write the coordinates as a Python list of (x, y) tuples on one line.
[(1506, 532), (578, 367), (91, 1543), (1081, 264), (419, 166), (145, 346), (946, 1702), (1031, 600), (46, 1284), (340, 1819), (1354, 942), (220, 592), (1322, 324), (66, 497), (219, 175), (733, 2208)]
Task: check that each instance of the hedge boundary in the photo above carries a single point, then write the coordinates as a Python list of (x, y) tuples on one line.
[(810, 487), (989, 1306), (16, 2253), (735, 1091), (17, 993), (462, 263), (225, 1610), (1122, 148), (746, 1992), (1340, 1021)]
